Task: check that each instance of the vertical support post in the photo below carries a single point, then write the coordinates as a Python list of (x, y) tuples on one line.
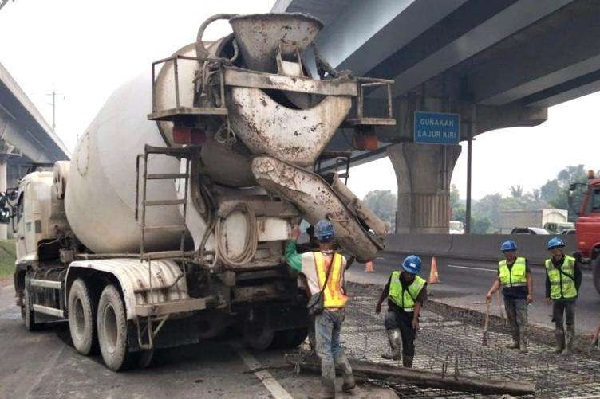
[(3, 227), (176, 70), (472, 129)]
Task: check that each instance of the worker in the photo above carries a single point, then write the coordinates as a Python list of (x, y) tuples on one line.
[(514, 275), (325, 268), (563, 279), (406, 292)]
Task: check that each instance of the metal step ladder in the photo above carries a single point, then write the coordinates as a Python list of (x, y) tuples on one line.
[(142, 205)]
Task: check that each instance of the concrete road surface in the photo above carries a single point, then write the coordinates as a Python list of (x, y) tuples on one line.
[(465, 284)]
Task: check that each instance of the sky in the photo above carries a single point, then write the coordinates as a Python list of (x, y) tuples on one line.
[(83, 50)]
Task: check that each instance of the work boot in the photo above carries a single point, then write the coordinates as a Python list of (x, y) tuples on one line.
[(559, 335), (514, 345), (327, 390), (515, 338), (570, 336), (342, 362), (395, 343), (407, 361), (523, 344)]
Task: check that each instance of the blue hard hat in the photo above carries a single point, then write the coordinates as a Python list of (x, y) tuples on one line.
[(412, 264), (555, 242), (324, 230), (508, 246)]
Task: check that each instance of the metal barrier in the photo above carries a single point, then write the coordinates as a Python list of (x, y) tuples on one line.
[(484, 247)]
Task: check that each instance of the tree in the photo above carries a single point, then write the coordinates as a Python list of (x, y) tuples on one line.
[(516, 191), (480, 225), (489, 207), (383, 203), (457, 206), (556, 192)]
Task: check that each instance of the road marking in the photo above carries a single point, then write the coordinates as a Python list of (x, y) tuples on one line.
[(264, 376), (473, 268)]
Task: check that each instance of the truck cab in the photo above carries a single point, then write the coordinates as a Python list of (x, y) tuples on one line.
[(587, 227)]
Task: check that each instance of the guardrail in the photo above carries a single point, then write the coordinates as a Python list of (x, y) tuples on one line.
[(485, 247)]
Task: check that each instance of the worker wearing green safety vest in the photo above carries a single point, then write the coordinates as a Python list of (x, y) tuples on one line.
[(406, 292), (515, 279), (563, 279)]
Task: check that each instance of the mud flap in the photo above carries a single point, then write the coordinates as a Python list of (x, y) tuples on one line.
[(318, 200)]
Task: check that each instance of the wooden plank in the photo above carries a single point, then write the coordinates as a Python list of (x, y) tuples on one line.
[(429, 379)]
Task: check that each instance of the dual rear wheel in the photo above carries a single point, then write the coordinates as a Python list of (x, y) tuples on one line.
[(108, 327)]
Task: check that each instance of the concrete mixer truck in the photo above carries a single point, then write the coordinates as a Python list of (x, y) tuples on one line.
[(168, 225)]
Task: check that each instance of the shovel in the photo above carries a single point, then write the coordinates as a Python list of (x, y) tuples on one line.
[(485, 324)]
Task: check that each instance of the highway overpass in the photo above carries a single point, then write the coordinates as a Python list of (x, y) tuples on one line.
[(25, 137), (495, 63)]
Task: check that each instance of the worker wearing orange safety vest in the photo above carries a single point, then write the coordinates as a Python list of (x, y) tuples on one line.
[(325, 269)]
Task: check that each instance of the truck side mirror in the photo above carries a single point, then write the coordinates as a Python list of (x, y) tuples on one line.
[(572, 186)]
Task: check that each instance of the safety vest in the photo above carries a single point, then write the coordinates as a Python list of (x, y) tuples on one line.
[(334, 295), (516, 276), (562, 280), (405, 298)]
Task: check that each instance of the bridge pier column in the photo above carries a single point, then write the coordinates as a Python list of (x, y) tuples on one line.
[(423, 172)]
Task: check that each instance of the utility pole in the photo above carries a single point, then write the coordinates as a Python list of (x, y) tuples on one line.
[(53, 94)]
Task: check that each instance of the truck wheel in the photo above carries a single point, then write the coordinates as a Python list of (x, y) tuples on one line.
[(596, 273), (258, 334), (112, 328), (81, 317), (290, 339), (27, 313)]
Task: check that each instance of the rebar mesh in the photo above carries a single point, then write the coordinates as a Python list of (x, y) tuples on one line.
[(451, 343)]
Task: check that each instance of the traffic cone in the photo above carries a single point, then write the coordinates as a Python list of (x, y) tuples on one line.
[(369, 267), (433, 273)]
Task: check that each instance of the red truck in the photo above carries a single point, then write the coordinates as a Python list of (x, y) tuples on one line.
[(587, 226)]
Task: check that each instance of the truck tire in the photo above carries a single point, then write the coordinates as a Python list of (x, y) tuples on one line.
[(112, 329), (596, 273), (27, 313), (289, 339), (81, 318), (258, 334)]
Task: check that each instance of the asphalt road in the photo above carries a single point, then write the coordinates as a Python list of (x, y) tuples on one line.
[(465, 283)]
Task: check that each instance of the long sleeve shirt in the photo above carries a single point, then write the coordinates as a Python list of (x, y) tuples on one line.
[(577, 275)]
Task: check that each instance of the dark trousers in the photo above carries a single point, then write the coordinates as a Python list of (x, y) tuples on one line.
[(397, 319), (563, 307), (516, 313)]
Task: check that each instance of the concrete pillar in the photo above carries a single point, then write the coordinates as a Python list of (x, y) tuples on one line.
[(3, 227), (423, 173)]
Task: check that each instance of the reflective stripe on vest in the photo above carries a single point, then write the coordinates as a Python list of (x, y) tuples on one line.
[(562, 280), (334, 295), (405, 298), (516, 276)]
